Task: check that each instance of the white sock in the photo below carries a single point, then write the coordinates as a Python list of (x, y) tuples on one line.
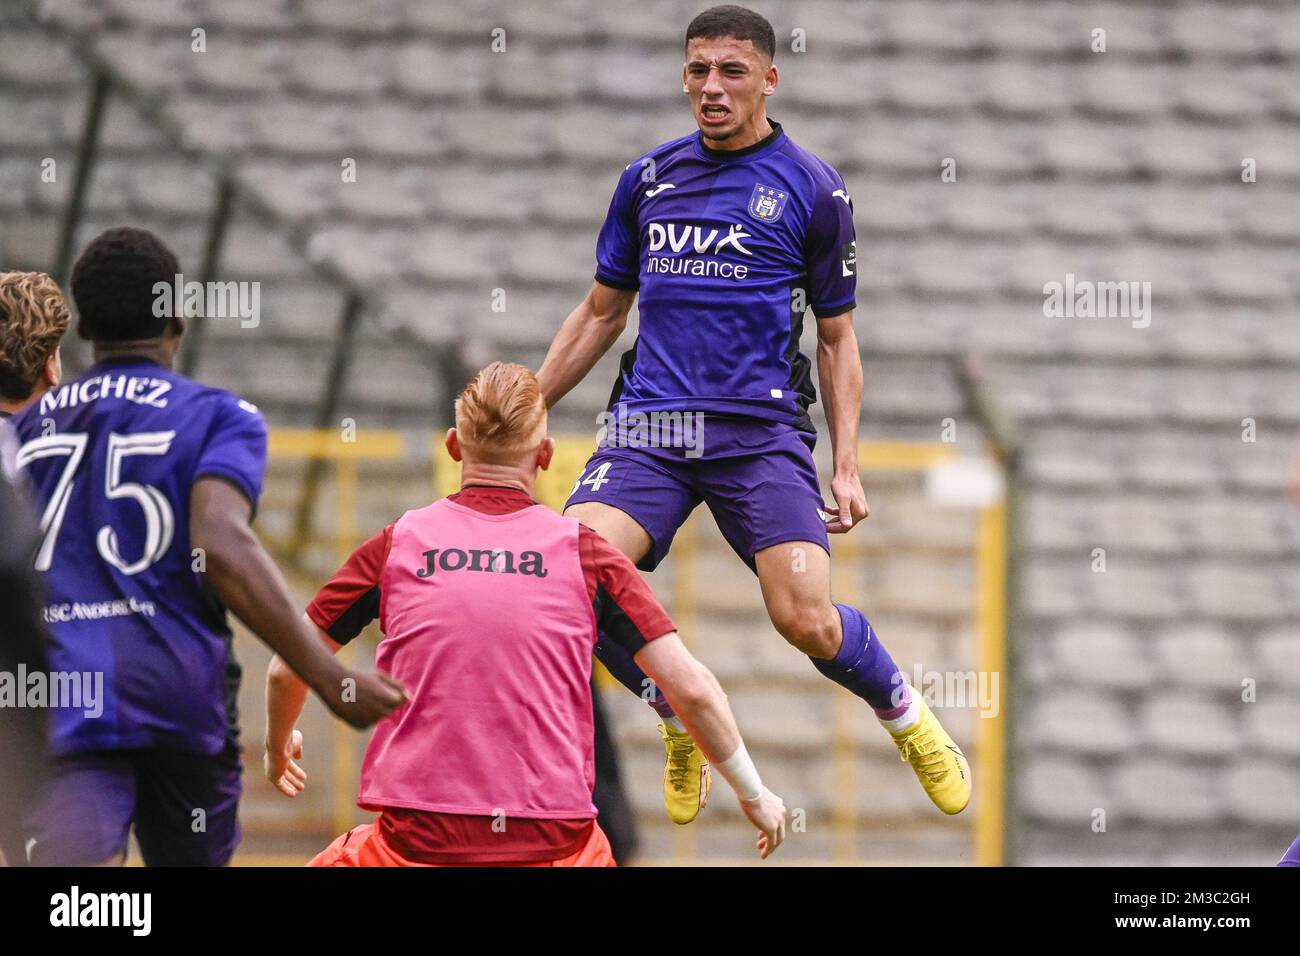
[(909, 717), (673, 723)]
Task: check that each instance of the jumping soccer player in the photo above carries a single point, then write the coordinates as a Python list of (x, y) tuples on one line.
[(490, 606), (146, 482), (728, 234)]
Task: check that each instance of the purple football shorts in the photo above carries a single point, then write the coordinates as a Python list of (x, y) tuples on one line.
[(757, 478), (184, 807)]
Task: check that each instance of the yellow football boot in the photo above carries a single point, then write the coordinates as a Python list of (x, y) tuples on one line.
[(938, 761), (686, 776)]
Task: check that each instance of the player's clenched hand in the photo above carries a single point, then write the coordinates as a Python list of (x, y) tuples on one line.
[(767, 812), (366, 699), (282, 767), (850, 503)]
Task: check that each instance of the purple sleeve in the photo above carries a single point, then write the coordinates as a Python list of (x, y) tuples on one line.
[(235, 448), (831, 251), (618, 248)]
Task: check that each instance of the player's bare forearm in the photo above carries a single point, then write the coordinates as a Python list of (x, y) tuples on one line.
[(839, 372), (585, 336), (695, 695), (286, 695)]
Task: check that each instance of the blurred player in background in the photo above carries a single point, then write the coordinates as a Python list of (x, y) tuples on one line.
[(146, 482), (728, 235), (22, 649), (490, 605), (33, 319)]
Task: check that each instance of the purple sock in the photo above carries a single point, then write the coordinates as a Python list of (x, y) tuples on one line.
[(865, 667)]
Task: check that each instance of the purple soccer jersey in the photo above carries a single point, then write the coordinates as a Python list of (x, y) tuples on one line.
[(726, 250), (111, 457)]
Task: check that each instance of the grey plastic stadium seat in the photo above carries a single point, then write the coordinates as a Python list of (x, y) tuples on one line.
[(1234, 592), (1065, 463), (520, 135), (1134, 587), (355, 17), (1079, 722), (1189, 724), (559, 258), (1263, 793), (1085, 149), (1175, 464), (1139, 523), (1184, 215), (928, 87), (564, 197), (1226, 95), (335, 69), (1272, 723), (241, 67), (467, 194), (296, 191), (1013, 28), (1238, 526), (1061, 791), (1102, 654), (1025, 88), (1122, 89), (446, 252), (1200, 654), (1183, 150), (261, 18), (1212, 30), (833, 24), (1162, 790), (438, 71), (1277, 656), (537, 78), (170, 187), (37, 60), (147, 13), (1131, 29), (148, 63), (1054, 522)]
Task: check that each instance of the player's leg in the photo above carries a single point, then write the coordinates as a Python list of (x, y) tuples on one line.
[(637, 504), (188, 809), (767, 502), (838, 638), (1292, 856), (84, 816)]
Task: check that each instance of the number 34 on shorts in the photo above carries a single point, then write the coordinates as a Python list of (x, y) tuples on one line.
[(593, 479)]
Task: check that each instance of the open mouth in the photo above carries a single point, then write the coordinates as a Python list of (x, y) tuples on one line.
[(713, 113)]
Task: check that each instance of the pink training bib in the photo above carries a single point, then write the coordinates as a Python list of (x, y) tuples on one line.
[(488, 625)]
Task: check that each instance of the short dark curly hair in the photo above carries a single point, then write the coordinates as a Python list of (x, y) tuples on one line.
[(113, 285), (741, 23)]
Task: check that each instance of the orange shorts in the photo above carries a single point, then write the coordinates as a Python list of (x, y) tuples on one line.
[(364, 845)]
